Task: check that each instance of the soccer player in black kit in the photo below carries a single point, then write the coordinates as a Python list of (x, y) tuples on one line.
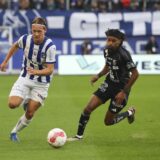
[(121, 73)]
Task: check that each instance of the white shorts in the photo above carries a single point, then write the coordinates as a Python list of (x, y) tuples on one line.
[(30, 89)]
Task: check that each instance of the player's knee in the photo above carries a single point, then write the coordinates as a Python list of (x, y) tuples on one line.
[(12, 104), (108, 122)]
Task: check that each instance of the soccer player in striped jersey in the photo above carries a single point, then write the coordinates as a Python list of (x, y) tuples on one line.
[(36, 74)]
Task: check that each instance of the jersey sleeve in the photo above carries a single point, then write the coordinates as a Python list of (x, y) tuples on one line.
[(105, 53), (51, 54), (22, 41), (129, 61)]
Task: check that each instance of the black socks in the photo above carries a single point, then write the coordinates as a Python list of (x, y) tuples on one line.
[(82, 123)]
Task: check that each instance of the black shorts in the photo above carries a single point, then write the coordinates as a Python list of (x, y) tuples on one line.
[(108, 90)]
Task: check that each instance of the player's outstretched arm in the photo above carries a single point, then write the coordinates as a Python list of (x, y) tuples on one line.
[(12, 50)]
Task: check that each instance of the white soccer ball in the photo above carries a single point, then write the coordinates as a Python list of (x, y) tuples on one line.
[(56, 137)]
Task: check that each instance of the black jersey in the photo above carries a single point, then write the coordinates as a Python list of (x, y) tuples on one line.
[(120, 64)]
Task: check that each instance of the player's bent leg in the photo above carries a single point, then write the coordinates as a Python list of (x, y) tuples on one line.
[(25, 120), (14, 101), (113, 114), (32, 107), (21, 124), (113, 118), (84, 118), (109, 118), (92, 105)]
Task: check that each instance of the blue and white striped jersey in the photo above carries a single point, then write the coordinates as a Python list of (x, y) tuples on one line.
[(36, 56)]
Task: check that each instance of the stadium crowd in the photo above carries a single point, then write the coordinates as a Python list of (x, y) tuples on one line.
[(83, 5)]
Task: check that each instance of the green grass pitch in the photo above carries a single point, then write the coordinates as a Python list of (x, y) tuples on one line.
[(67, 97)]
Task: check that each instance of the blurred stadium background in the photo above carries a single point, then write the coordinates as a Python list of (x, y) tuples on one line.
[(77, 28)]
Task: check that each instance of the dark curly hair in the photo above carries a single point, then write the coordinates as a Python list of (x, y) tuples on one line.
[(115, 33)]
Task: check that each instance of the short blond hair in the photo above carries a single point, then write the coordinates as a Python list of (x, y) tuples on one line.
[(39, 20)]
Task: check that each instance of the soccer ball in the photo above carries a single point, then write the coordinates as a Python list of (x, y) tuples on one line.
[(56, 137)]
